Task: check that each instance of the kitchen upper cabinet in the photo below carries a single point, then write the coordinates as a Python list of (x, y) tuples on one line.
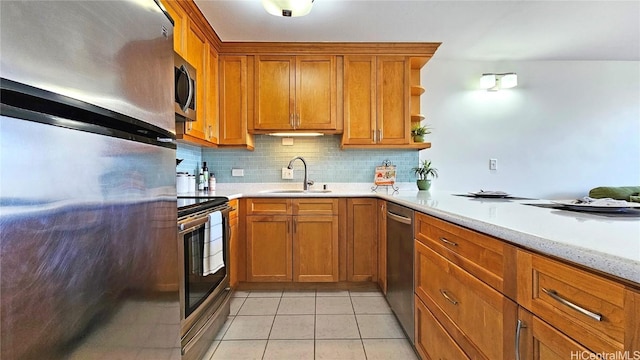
[(196, 55), (211, 95), (295, 93), (362, 239), (235, 97), (190, 41), (376, 100), (292, 240), (180, 21)]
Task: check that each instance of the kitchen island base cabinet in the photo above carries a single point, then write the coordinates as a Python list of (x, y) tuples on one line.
[(540, 341), (596, 312), (432, 340), (292, 240), (480, 319)]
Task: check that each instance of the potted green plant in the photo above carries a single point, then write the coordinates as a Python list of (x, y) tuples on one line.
[(423, 172), (418, 132)]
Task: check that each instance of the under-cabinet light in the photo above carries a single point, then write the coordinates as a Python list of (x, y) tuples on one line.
[(292, 134)]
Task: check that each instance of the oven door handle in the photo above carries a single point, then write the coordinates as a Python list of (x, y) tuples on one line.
[(193, 223)]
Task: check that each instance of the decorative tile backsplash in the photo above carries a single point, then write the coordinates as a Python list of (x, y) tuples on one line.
[(326, 161)]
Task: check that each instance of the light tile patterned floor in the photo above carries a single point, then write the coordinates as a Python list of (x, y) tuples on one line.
[(300, 325)]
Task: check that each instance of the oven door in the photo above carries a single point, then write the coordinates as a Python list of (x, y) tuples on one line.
[(205, 297), (201, 276)]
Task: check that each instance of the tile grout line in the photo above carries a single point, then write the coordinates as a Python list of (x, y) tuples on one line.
[(357, 326), (272, 322)]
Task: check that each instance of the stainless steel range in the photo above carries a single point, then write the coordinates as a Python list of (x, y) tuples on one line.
[(203, 234)]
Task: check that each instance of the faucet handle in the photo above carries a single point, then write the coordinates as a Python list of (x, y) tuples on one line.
[(310, 182)]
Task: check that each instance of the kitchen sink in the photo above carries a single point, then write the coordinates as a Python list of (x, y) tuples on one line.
[(293, 191)]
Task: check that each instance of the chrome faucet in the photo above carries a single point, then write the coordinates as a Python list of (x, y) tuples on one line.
[(307, 182)]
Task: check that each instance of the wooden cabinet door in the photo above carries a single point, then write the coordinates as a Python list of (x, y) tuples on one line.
[(269, 252), (359, 100), (393, 86), (196, 56), (315, 93), (274, 92), (362, 239), (540, 341), (234, 101), (211, 95), (315, 248), (234, 250), (382, 245), (180, 21), (432, 340)]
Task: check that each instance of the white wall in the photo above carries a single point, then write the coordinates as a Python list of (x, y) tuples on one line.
[(569, 126)]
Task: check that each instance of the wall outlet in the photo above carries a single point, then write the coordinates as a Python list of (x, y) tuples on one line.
[(237, 172), (493, 164), (287, 173)]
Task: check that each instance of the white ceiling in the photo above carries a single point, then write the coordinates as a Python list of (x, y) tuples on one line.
[(468, 30)]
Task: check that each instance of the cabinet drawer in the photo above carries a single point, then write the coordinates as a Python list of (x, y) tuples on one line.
[(488, 259), (539, 341), (478, 317), (235, 205), (315, 206), (269, 206), (586, 307), (432, 341)]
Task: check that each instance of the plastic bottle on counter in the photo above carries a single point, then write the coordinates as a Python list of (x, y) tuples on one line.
[(212, 182), (205, 172), (201, 181)]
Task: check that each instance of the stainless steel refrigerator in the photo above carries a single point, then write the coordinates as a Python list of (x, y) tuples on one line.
[(88, 249)]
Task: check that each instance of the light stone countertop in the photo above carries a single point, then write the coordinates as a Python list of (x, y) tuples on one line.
[(607, 244)]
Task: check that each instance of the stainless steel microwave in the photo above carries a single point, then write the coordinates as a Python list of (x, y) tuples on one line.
[(185, 90)]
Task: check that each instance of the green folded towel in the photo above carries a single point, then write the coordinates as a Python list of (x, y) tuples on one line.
[(618, 192)]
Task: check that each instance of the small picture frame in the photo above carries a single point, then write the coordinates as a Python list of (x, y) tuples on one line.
[(385, 175)]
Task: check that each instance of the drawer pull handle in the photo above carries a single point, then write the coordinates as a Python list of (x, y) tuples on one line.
[(449, 242), (448, 297), (558, 298), (521, 325)]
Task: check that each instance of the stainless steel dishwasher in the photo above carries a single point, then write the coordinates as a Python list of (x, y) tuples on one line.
[(400, 265)]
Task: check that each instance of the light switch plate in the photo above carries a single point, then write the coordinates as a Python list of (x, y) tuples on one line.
[(287, 141), (287, 173), (237, 172)]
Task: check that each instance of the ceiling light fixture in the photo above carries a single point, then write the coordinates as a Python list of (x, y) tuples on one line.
[(495, 82), (288, 8)]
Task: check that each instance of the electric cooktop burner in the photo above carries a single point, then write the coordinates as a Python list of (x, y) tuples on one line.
[(191, 204)]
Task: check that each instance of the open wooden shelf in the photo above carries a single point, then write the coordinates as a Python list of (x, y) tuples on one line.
[(412, 146), (417, 90), (417, 117)]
